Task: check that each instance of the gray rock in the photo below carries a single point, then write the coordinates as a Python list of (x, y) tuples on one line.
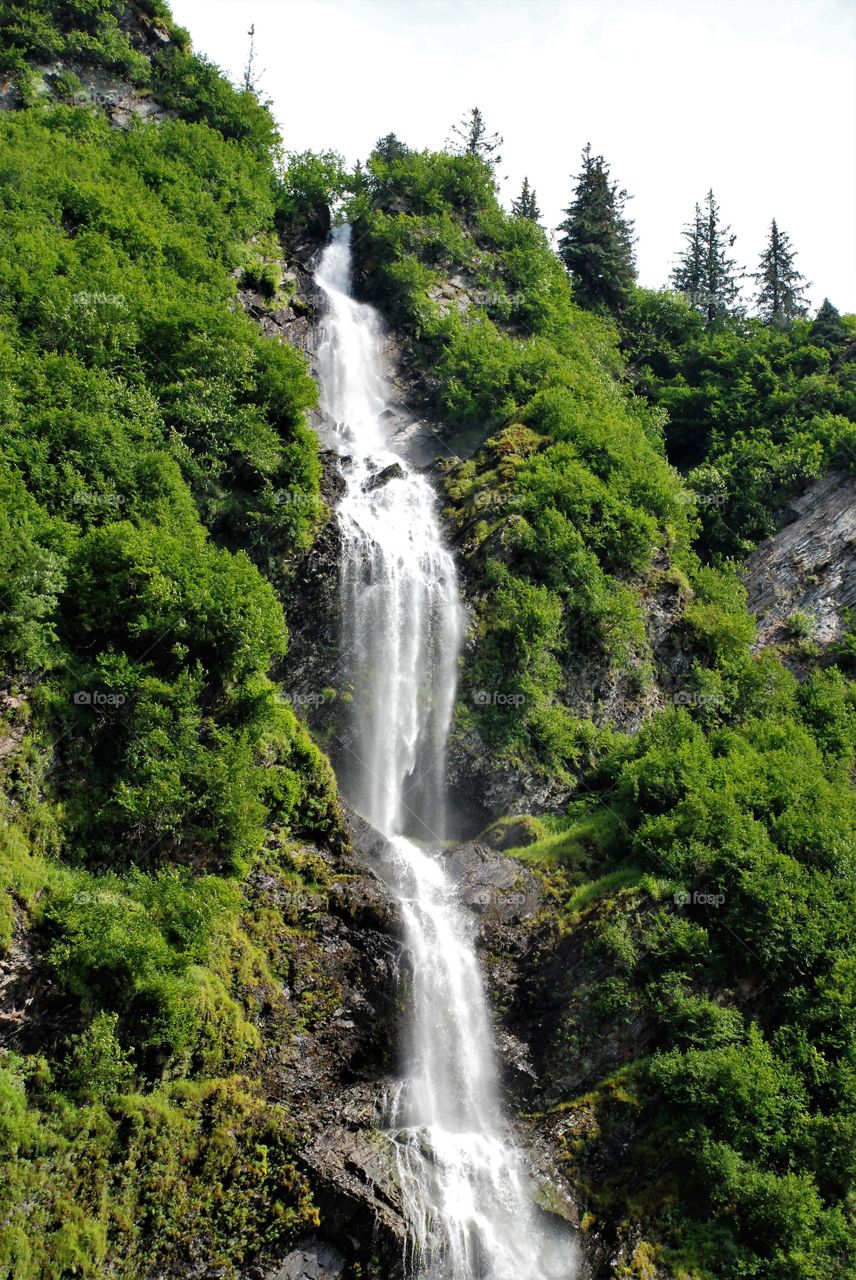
[(809, 566), (495, 887), (311, 1260), (395, 471)]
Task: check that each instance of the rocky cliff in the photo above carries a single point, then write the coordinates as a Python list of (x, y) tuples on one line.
[(802, 581)]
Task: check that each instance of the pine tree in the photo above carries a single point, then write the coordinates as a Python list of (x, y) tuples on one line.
[(470, 138), (525, 206), (390, 147), (705, 274), (781, 288), (597, 245)]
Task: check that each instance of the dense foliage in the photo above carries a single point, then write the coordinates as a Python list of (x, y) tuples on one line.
[(138, 44), (705, 866), (714, 868), (568, 512), (754, 410), (158, 484), (596, 244)]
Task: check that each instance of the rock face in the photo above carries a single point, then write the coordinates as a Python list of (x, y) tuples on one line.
[(808, 568), (311, 1260), (120, 101), (335, 1074)]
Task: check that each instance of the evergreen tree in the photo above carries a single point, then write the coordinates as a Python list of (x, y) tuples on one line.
[(705, 274), (597, 244), (390, 148), (525, 206), (781, 288), (828, 329), (470, 138)]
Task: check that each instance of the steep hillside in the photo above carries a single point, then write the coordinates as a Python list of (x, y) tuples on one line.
[(682, 996), (169, 833), (200, 983)]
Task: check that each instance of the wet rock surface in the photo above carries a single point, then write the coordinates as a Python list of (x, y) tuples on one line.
[(311, 1260), (335, 1074), (498, 889)]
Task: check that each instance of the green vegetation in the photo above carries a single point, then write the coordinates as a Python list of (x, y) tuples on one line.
[(754, 410), (702, 878), (148, 436), (597, 239), (154, 777), (568, 512), (734, 954), (706, 275), (781, 287), (141, 46)]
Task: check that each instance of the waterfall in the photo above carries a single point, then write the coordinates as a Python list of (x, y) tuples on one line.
[(466, 1194)]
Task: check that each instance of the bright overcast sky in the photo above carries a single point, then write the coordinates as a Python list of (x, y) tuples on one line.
[(756, 98)]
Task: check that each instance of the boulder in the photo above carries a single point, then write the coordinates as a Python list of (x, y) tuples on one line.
[(313, 1259), (395, 471)]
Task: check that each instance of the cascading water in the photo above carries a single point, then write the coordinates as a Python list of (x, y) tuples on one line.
[(465, 1191)]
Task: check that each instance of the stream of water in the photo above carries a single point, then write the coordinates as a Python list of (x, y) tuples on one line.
[(466, 1193)]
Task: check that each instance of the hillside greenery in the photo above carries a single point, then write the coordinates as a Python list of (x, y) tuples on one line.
[(713, 872), (568, 510), (755, 410), (708, 857), (151, 769), (154, 776)]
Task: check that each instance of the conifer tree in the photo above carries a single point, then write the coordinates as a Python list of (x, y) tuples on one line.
[(470, 137), (705, 274), (525, 206), (389, 147), (781, 288), (597, 244), (828, 329)]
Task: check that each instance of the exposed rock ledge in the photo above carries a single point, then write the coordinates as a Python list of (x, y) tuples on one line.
[(808, 568)]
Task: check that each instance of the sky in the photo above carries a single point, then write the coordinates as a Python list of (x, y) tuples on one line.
[(754, 98)]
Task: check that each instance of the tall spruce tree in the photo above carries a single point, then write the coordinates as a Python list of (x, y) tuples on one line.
[(705, 274), (781, 288), (597, 244), (469, 137), (525, 206)]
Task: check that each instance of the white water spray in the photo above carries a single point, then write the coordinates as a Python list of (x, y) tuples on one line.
[(466, 1194)]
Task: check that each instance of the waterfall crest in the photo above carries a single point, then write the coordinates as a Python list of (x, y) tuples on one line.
[(466, 1195)]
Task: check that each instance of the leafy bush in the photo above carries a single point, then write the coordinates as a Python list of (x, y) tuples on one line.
[(148, 436)]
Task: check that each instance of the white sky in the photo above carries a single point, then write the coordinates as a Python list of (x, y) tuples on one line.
[(756, 98)]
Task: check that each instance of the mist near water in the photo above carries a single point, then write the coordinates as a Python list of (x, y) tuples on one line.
[(466, 1192)]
